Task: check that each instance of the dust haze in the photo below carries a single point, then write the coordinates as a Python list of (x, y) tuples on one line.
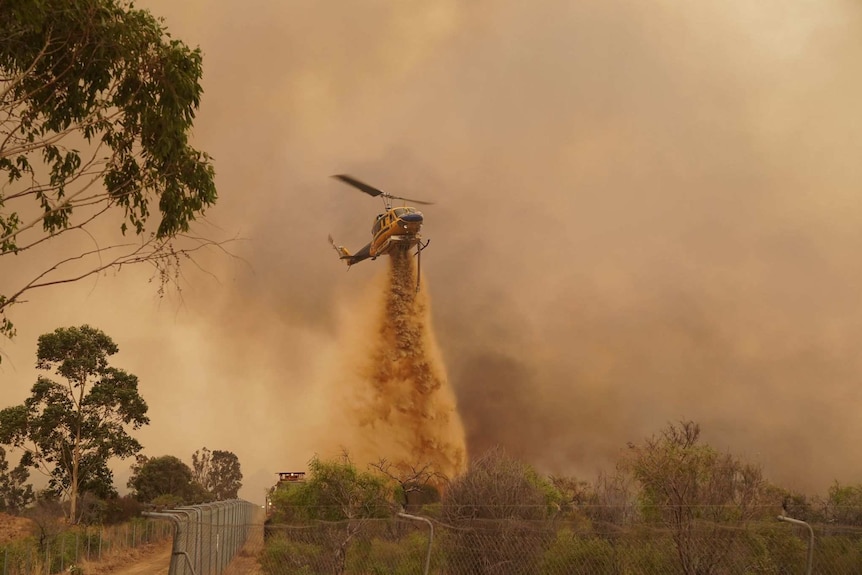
[(643, 212)]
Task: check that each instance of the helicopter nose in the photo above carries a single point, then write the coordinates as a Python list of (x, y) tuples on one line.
[(412, 217)]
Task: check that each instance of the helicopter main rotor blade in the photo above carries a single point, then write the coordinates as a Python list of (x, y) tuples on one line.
[(424, 203), (370, 190)]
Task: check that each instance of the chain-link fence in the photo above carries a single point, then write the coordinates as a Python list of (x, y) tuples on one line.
[(48, 553), (207, 536), (401, 547)]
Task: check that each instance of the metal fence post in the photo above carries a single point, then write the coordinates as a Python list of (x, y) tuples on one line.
[(175, 551), (810, 538), (430, 536)]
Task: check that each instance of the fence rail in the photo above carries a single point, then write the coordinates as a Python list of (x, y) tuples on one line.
[(207, 536)]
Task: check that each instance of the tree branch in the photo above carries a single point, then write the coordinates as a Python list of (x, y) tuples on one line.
[(20, 77)]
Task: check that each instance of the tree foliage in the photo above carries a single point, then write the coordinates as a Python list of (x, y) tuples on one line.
[(166, 478), (844, 504), (219, 472), (672, 505), (695, 491), (15, 493), (415, 485), (498, 486), (334, 491), (96, 105), (502, 509), (70, 430)]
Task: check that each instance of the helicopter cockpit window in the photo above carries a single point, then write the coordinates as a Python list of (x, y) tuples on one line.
[(400, 212)]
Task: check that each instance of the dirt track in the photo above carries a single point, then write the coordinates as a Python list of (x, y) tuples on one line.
[(156, 561)]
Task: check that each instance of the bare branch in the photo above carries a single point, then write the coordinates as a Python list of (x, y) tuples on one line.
[(161, 250), (64, 230), (62, 206)]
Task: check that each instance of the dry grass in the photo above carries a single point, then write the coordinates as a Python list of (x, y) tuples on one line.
[(152, 558), (14, 528)]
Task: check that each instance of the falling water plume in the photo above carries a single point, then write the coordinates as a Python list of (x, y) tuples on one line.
[(406, 410)]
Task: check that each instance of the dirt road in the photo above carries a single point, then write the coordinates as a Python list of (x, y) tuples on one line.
[(156, 562), (156, 559)]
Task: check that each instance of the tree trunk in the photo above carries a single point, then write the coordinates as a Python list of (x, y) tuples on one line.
[(73, 489)]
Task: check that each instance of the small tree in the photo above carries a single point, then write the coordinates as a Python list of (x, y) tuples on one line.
[(166, 478), (844, 504), (15, 493), (612, 504), (502, 509), (696, 492), (69, 431), (335, 491), (47, 515), (417, 485)]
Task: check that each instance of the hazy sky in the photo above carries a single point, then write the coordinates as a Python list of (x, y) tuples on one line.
[(645, 211)]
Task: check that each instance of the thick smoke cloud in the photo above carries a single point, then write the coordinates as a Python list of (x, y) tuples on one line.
[(644, 212)]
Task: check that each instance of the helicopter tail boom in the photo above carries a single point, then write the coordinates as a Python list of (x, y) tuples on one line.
[(349, 258)]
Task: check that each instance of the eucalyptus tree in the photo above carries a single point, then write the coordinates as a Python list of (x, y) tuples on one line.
[(218, 471), (97, 103), (70, 429)]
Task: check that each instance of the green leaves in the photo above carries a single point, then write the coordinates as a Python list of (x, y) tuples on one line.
[(15, 493), (75, 353), (96, 107), (334, 491), (155, 478)]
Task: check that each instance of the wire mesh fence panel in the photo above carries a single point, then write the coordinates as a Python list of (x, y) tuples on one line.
[(207, 536), (397, 547), (361, 546), (62, 551)]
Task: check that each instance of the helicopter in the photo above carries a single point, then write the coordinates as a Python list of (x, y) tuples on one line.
[(395, 229)]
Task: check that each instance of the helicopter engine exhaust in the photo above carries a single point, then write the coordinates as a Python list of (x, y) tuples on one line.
[(404, 409)]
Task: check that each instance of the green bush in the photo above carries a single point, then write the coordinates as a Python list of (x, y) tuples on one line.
[(571, 553), (404, 556), (19, 556), (647, 553), (838, 554), (61, 551), (281, 555), (168, 501)]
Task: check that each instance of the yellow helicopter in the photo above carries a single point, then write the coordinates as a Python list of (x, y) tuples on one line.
[(395, 228)]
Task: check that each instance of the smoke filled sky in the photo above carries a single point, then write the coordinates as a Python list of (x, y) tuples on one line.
[(644, 211)]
